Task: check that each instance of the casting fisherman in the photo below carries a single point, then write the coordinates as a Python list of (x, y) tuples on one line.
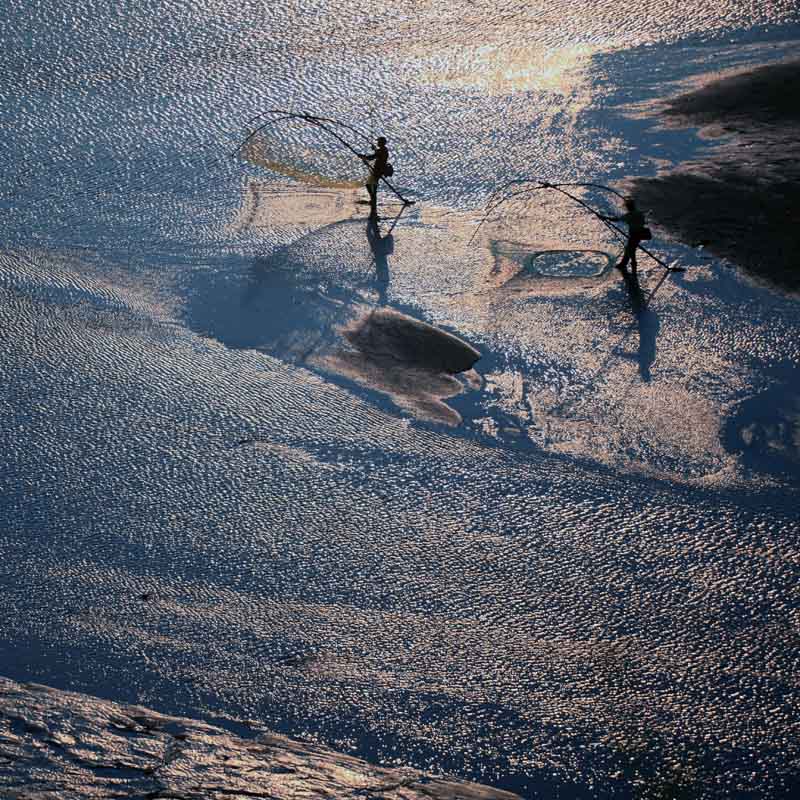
[(637, 232), (380, 156)]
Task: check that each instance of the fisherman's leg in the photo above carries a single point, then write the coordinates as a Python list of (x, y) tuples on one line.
[(626, 257), (636, 244), (373, 201), (630, 253)]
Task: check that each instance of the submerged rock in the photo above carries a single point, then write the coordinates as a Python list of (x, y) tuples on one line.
[(69, 745)]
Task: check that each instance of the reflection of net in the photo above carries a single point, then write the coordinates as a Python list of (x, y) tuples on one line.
[(307, 153)]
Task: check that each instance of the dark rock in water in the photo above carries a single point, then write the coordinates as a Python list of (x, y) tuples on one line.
[(766, 93), (409, 360), (389, 334)]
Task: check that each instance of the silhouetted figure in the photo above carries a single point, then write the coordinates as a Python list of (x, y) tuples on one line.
[(637, 233), (380, 156), (382, 247)]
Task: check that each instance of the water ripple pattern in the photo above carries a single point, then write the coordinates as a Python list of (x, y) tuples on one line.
[(577, 578)]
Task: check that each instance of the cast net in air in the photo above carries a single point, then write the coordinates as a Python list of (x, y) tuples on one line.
[(311, 150)]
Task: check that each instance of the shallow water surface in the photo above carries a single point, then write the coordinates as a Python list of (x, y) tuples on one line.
[(571, 572)]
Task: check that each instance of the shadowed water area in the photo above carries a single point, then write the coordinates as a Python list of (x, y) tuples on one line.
[(251, 469)]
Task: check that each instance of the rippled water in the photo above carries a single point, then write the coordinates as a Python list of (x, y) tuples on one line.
[(572, 572)]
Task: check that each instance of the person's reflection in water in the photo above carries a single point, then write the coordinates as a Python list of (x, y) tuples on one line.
[(647, 321), (382, 247)]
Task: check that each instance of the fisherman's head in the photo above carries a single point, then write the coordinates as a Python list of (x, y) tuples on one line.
[(381, 141)]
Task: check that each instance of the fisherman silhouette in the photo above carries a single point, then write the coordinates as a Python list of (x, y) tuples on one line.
[(637, 233), (380, 156)]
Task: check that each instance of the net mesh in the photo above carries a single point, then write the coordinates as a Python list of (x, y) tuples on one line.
[(306, 152)]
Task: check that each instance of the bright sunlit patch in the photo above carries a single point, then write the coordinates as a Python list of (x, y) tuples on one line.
[(528, 67)]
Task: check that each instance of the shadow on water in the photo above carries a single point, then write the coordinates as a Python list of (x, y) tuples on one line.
[(646, 320), (382, 246), (264, 307), (275, 304), (284, 304), (306, 305), (764, 429)]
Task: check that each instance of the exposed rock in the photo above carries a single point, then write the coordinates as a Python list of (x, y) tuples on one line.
[(388, 334), (65, 745), (411, 361)]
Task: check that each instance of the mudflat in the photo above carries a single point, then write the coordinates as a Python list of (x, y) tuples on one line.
[(72, 745), (741, 198)]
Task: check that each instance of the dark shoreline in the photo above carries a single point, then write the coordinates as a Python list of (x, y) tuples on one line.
[(742, 199), (71, 745)]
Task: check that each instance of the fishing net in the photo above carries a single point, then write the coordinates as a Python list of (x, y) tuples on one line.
[(310, 152), (571, 263)]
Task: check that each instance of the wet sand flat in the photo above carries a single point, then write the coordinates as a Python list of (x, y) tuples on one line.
[(235, 489), (71, 746), (741, 200)]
